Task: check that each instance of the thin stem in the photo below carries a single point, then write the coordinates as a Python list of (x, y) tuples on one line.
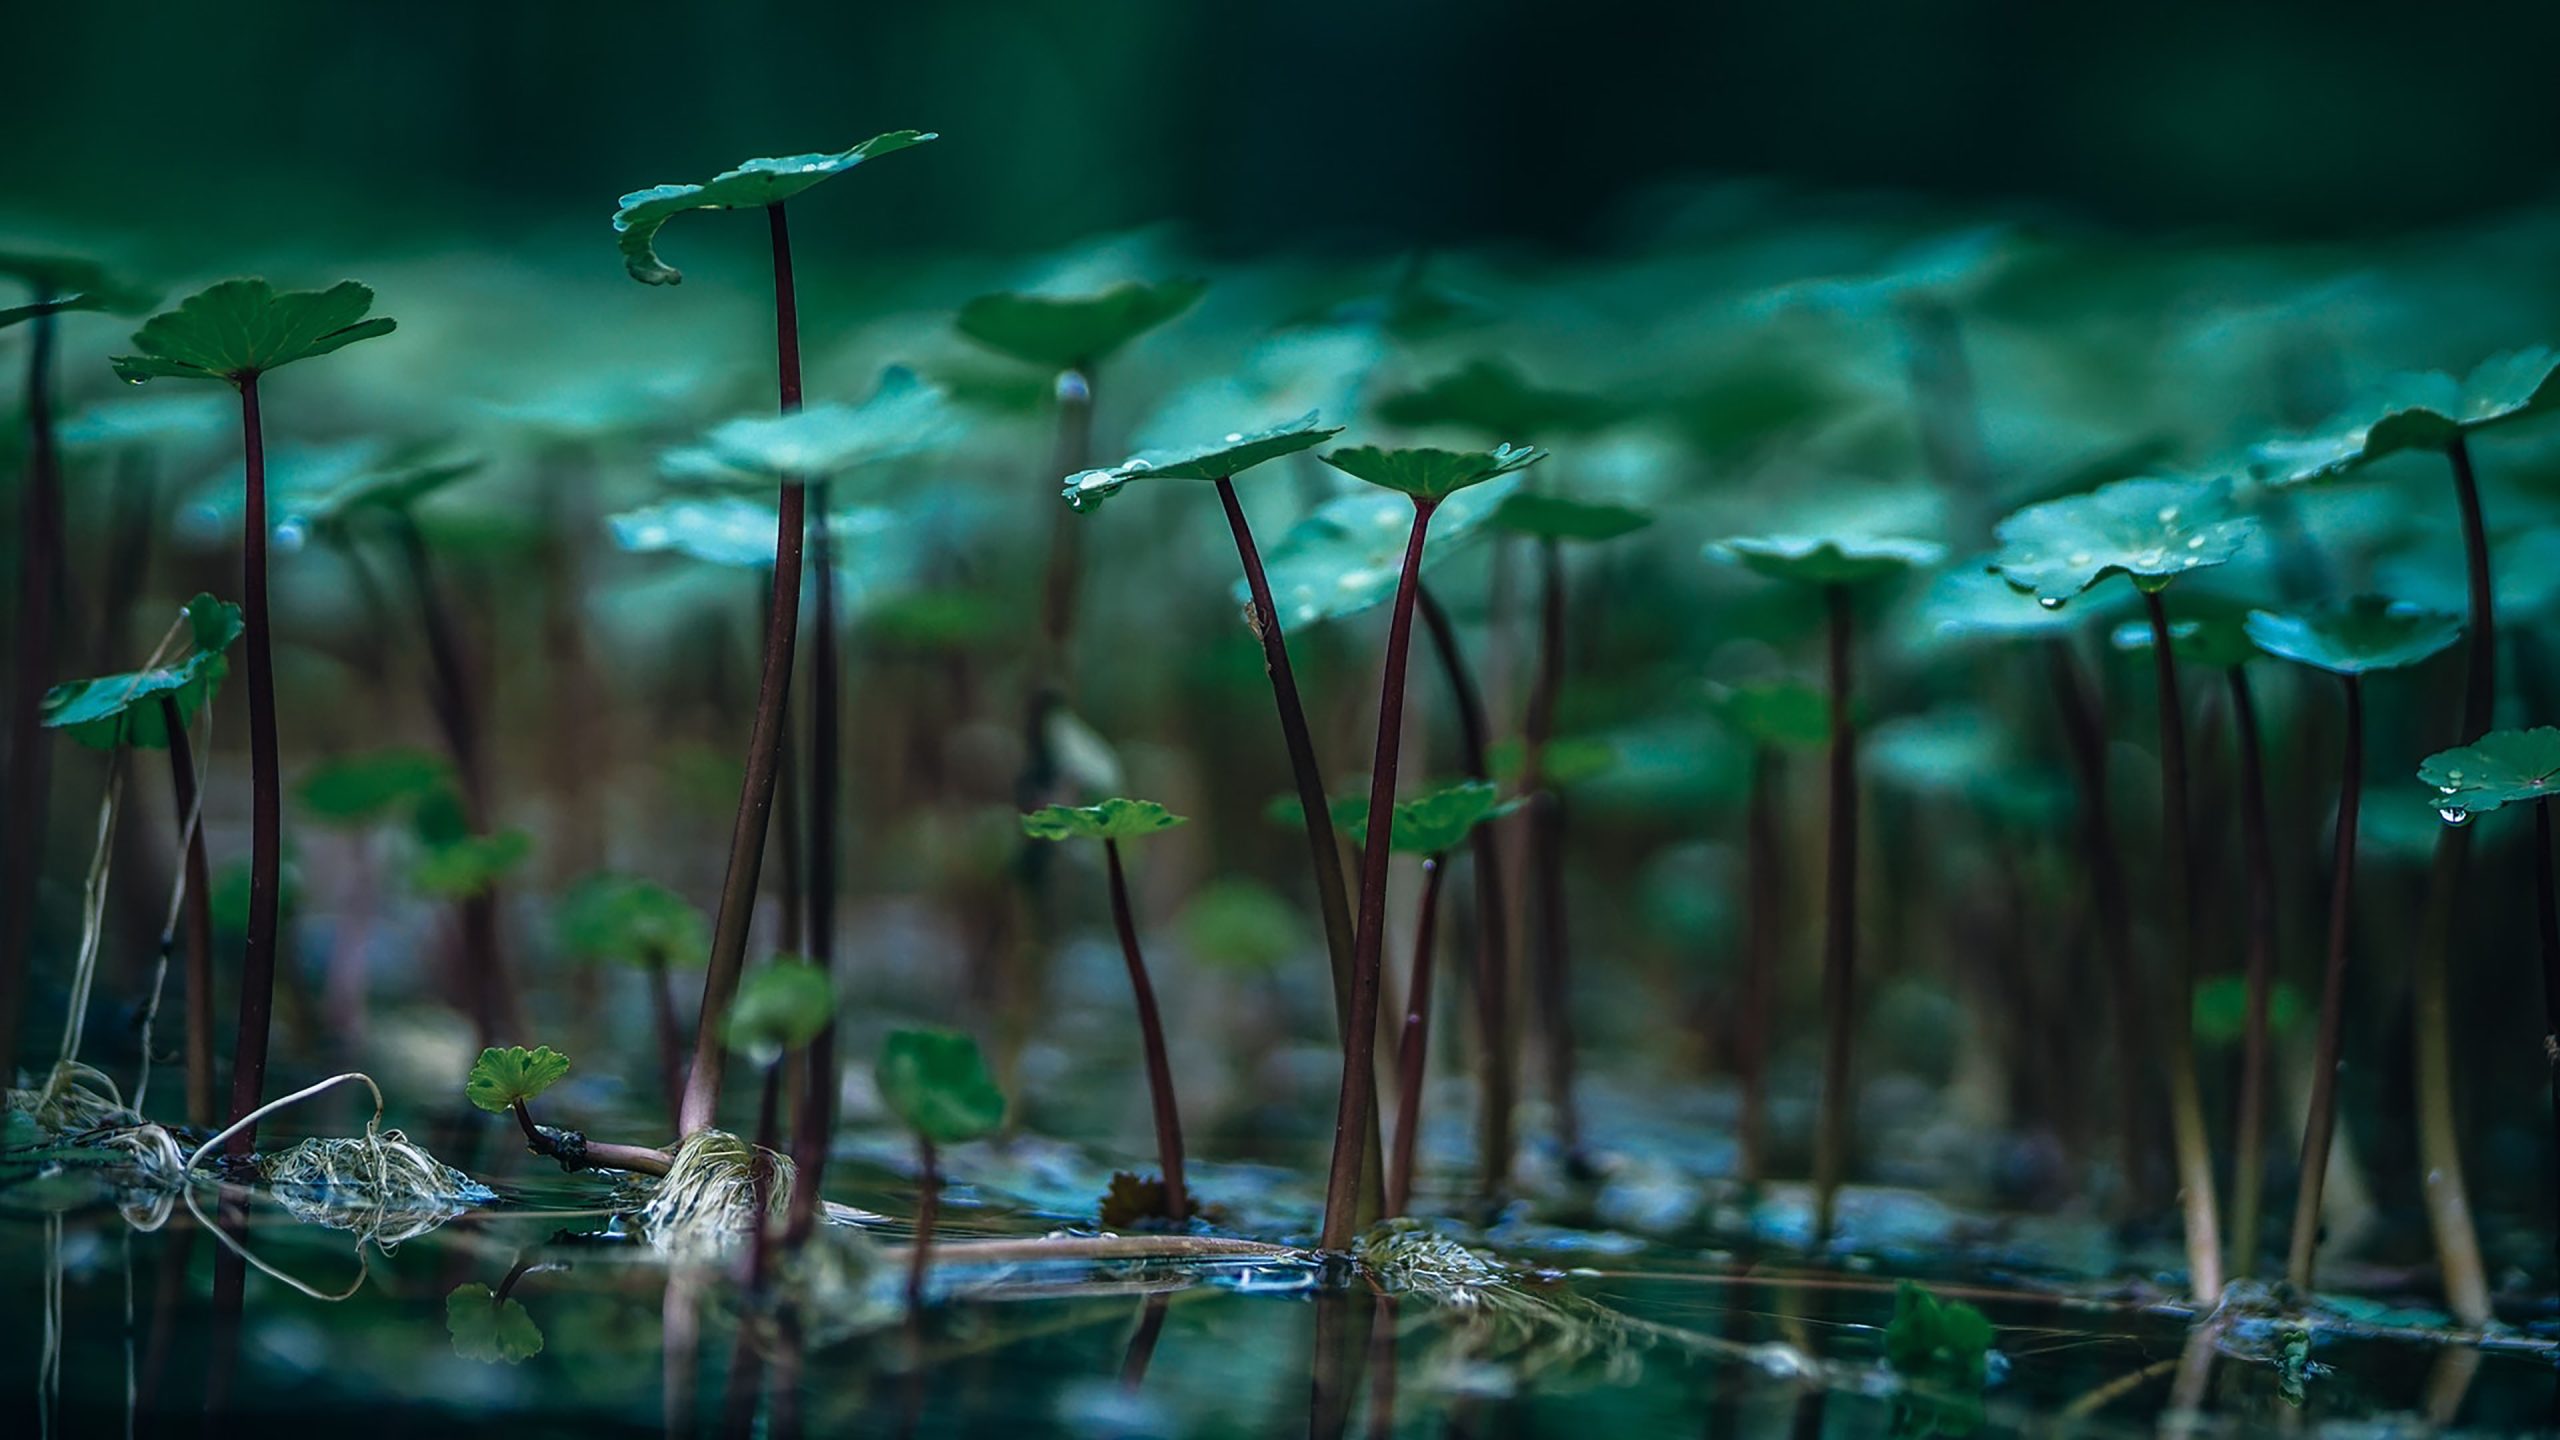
[(2186, 1105), (1059, 583), (40, 545), (1177, 1196), (2249, 1131), (1323, 850), (1359, 1073), (195, 919), (928, 1203), (2546, 908), (1412, 1054), (701, 1105), (2480, 637), (1142, 1342), (1760, 960), (2084, 728), (662, 1008), (768, 1138), (1546, 855), (266, 812), (576, 1152), (1493, 913), (2321, 1125), (813, 1124), (1839, 933)]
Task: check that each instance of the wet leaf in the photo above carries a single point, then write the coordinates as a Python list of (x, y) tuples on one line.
[(1113, 819), (2151, 530), (1827, 560), (460, 868), (1558, 517), (1073, 332), (904, 416), (113, 710), (375, 786), (243, 328), (780, 1007), (2504, 767), (1221, 459), (2218, 640), (488, 1329), (1493, 397), (1428, 474), (2418, 411), (937, 1083), (68, 282), (1775, 712), (625, 918), (2368, 632), (764, 181), (1437, 821), (500, 1078), (1970, 601), (1345, 557)]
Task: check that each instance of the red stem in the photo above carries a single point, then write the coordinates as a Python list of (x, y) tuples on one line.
[(1177, 1196), (258, 959), (1840, 936), (195, 920), (928, 1204), (2321, 1125), (1413, 1053), (2249, 1132), (1760, 961), (1546, 855), (813, 1124)]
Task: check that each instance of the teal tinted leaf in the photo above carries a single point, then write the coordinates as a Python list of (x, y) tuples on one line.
[(460, 868), (780, 1007), (2222, 1009), (1970, 602), (1495, 398), (905, 415), (625, 918), (2366, 633), (392, 490), (68, 282), (1224, 458), (375, 786), (760, 182), (1824, 560), (1428, 474), (1113, 819), (728, 530), (242, 328), (1345, 557), (2505, 767), (500, 1078), (488, 1329), (2221, 641), (1775, 712), (1439, 821), (113, 710), (2421, 411), (173, 418), (1070, 332), (1240, 925), (936, 1082), (1557, 517), (1563, 762), (2151, 530)]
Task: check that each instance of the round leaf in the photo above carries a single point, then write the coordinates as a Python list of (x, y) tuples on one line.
[(904, 415), (622, 917), (1221, 459), (1428, 474), (1113, 819), (461, 868), (488, 1329), (780, 1007), (238, 329), (68, 282), (1345, 557), (765, 181), (2422, 411), (1436, 822), (1821, 560), (1071, 332), (390, 490), (1557, 517), (1775, 712), (2505, 767), (364, 789), (125, 709), (1493, 397), (937, 1083), (728, 530), (500, 1078), (2151, 530), (2366, 633)]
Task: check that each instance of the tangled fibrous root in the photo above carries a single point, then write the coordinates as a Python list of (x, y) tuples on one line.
[(707, 1198), (1522, 1329), (73, 1098), (381, 1185)]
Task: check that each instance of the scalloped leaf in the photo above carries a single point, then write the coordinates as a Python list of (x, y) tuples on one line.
[(2504, 767), (2218, 640), (2366, 633), (1345, 557), (1937, 1342), (1240, 925), (623, 917), (1072, 332), (501, 1077), (2150, 530), (1560, 517), (1117, 818), (767, 180), (780, 1008), (936, 1082), (1774, 712), (113, 710), (1494, 397), (1437, 821), (1430, 474), (905, 415), (238, 329), (1221, 459), (69, 282), (2422, 410), (729, 530), (490, 1330), (1828, 560)]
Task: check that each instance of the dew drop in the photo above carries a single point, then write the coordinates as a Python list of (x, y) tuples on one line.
[(1234, 435), (2049, 602), (2196, 544), (2453, 815), (2081, 557)]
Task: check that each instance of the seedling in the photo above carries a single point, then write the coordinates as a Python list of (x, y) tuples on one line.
[(1425, 477), (1551, 520), (937, 1084), (237, 331), (2515, 767), (1942, 1351), (150, 709), (507, 1081), (490, 1327), (1836, 567), (768, 183), (630, 920), (781, 1009), (2349, 641), (1111, 822), (2152, 531)]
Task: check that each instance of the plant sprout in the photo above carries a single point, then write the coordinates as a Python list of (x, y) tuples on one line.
[(1425, 477), (490, 1327), (936, 1083), (507, 1081), (1111, 822), (2365, 634), (2152, 531), (768, 183), (1835, 567), (781, 1009), (627, 919), (237, 331)]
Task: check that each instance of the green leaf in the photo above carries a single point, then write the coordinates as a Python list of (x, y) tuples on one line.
[(2222, 1009), (1971, 601), (779, 1008), (1221, 459), (1072, 332), (500, 1078), (1240, 925), (937, 1083), (904, 416), (765, 181), (1113, 819), (2366, 633), (68, 282), (1563, 762), (1828, 560), (1558, 517), (239, 329), (1428, 474), (1436, 822), (394, 489), (2151, 530), (1940, 1343), (726, 530), (368, 788), (1775, 712), (2504, 767), (113, 710), (2219, 640), (2418, 411), (1345, 557), (459, 869), (1493, 397), (488, 1329), (625, 918)]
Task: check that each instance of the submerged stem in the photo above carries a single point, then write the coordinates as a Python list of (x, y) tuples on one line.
[(195, 916), (2186, 1104), (1839, 935), (2321, 1125), (266, 815), (2249, 1130), (1168, 1116), (1413, 1052)]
